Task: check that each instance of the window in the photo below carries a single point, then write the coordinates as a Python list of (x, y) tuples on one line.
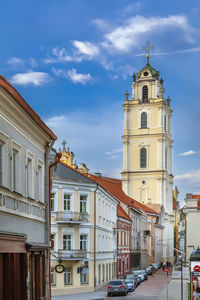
[(145, 94), (68, 276), (166, 159), (29, 177), (83, 203), (165, 123), (83, 242), (144, 120), (40, 182), (67, 241), (53, 275), (52, 201), (1, 165), (67, 202), (143, 158), (83, 278), (15, 170), (53, 238), (99, 207)]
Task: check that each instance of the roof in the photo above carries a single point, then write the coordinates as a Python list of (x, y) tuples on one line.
[(121, 213), (148, 67), (196, 196), (114, 187), (63, 170), (6, 85)]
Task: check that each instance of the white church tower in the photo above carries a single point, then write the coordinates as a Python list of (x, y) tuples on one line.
[(147, 148)]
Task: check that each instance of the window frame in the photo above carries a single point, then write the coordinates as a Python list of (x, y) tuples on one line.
[(4, 140), (54, 276), (85, 241), (68, 246), (143, 160), (83, 202), (67, 271), (16, 186), (53, 199), (68, 201), (143, 121), (145, 90)]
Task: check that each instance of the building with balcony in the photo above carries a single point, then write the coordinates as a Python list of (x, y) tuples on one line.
[(83, 215), (123, 243), (25, 142)]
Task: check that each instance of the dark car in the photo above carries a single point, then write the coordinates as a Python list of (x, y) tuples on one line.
[(130, 284), (117, 286), (148, 270)]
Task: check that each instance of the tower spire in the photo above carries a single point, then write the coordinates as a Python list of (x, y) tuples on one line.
[(148, 48)]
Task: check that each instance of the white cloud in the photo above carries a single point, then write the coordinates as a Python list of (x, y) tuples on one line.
[(87, 49), (90, 135), (15, 61), (35, 78), (78, 77), (123, 38), (60, 56), (115, 151), (187, 153)]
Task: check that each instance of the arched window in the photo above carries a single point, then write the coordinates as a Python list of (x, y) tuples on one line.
[(165, 123), (144, 120), (143, 158), (145, 94)]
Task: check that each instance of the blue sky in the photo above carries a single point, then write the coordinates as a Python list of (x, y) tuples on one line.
[(73, 60)]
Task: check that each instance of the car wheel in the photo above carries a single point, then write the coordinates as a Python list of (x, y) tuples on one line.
[(109, 295)]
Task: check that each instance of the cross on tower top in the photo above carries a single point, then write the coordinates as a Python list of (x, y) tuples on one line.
[(148, 48), (64, 143)]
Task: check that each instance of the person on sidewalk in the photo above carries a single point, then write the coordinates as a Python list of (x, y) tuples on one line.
[(197, 293)]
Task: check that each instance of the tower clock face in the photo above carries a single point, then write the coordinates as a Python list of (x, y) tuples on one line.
[(146, 73)]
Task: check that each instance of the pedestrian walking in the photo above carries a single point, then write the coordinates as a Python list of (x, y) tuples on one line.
[(197, 293), (163, 267)]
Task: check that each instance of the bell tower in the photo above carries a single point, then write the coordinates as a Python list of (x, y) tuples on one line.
[(147, 143)]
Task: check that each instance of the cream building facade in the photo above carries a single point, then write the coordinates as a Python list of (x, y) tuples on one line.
[(191, 212), (83, 218), (147, 148)]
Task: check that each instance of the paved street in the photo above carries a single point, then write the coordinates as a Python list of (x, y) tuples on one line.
[(152, 289)]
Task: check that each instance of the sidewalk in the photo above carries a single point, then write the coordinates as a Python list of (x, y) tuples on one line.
[(174, 290), (98, 295)]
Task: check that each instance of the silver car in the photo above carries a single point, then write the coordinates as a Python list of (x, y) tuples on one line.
[(117, 286), (130, 284)]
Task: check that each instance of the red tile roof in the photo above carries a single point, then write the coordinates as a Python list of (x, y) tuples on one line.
[(121, 213), (114, 187), (6, 85), (196, 196)]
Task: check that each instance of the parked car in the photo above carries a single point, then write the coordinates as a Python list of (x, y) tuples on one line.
[(130, 284), (152, 268), (145, 274), (155, 266), (140, 274), (148, 270), (117, 286), (138, 279)]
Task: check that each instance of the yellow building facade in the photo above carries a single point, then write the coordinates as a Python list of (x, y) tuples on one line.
[(147, 148)]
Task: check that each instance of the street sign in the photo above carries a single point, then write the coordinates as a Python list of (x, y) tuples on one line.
[(166, 270), (196, 268)]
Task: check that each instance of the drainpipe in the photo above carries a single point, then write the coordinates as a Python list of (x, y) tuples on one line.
[(95, 229), (47, 227), (48, 187)]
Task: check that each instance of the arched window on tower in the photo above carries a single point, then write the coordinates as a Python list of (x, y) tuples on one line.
[(145, 94), (143, 158), (165, 123), (144, 120)]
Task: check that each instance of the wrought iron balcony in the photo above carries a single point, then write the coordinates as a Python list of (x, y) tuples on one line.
[(71, 217), (71, 254)]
